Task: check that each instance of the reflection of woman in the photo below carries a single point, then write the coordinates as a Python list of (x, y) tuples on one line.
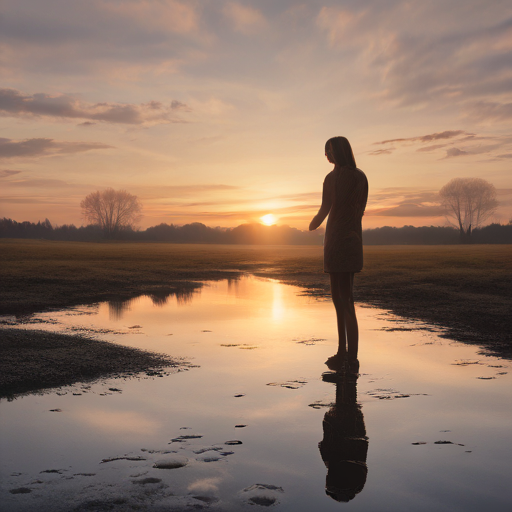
[(344, 447), (345, 193)]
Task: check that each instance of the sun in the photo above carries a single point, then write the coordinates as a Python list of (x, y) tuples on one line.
[(268, 219)]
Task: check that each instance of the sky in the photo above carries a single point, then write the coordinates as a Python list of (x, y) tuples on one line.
[(218, 111)]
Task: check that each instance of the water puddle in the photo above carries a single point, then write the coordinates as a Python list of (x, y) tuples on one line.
[(425, 427)]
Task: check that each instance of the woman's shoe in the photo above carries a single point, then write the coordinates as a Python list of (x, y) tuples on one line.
[(335, 363)]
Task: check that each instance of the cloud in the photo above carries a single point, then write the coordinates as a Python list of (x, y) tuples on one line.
[(504, 155), (408, 210), (173, 191), (386, 151), (431, 148), (245, 19), (337, 23), (44, 147), (41, 183), (5, 173), (179, 17), (490, 111), (402, 195), (404, 202), (14, 103), (448, 134), (467, 143), (453, 152), (422, 55), (108, 40)]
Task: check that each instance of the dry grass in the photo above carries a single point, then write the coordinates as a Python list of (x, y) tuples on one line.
[(463, 288)]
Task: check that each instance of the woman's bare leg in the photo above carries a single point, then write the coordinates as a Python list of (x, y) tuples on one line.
[(342, 284)]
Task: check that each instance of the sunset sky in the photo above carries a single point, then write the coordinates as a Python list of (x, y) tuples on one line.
[(217, 112)]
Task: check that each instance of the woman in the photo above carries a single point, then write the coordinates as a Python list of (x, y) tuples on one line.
[(345, 193)]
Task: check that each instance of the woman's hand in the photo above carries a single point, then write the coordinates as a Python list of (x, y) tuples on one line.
[(326, 205)]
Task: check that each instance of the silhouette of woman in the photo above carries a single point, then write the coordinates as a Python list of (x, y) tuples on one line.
[(345, 192), (344, 447)]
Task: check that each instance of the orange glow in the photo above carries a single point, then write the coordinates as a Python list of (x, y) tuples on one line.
[(268, 219)]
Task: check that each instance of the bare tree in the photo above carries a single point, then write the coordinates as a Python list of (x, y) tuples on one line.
[(111, 209), (469, 202)]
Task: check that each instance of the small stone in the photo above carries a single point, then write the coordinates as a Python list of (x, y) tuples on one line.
[(145, 481), (233, 442), (20, 490), (182, 439), (112, 459), (171, 462), (209, 457), (264, 501)]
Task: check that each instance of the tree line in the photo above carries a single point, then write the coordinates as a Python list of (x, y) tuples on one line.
[(197, 232)]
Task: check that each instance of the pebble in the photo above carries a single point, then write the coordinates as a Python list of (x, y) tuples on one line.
[(177, 461), (264, 495), (20, 490), (145, 481)]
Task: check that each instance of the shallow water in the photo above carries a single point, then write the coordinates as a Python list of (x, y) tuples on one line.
[(432, 417)]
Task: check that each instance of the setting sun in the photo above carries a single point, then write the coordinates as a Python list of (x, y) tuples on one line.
[(268, 219)]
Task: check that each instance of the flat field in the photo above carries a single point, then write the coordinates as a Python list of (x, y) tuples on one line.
[(464, 289)]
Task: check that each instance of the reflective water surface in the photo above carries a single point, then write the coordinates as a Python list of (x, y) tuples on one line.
[(426, 426)]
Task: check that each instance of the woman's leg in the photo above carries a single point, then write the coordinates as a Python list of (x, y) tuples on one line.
[(342, 284)]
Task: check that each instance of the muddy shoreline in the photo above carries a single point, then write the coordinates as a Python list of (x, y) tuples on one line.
[(465, 291), (32, 360)]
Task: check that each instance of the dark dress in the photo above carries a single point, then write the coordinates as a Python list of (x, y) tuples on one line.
[(346, 189)]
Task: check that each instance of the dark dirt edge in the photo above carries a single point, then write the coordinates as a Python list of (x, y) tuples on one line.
[(492, 341), (34, 361)]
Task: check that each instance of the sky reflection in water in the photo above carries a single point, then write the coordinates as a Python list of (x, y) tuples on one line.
[(260, 348)]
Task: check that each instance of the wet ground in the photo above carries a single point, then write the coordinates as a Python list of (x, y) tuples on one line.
[(425, 426)]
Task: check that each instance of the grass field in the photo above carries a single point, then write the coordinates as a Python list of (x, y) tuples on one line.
[(465, 289)]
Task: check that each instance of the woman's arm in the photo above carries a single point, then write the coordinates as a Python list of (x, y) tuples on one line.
[(324, 209)]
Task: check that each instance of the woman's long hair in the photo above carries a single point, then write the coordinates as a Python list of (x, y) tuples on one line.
[(341, 152)]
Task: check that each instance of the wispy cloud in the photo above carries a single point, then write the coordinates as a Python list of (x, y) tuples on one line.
[(44, 147), (5, 173), (179, 191), (179, 17), (453, 152), (14, 103), (447, 134), (408, 210), (386, 151), (490, 111), (404, 202), (458, 143), (339, 24), (244, 18)]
